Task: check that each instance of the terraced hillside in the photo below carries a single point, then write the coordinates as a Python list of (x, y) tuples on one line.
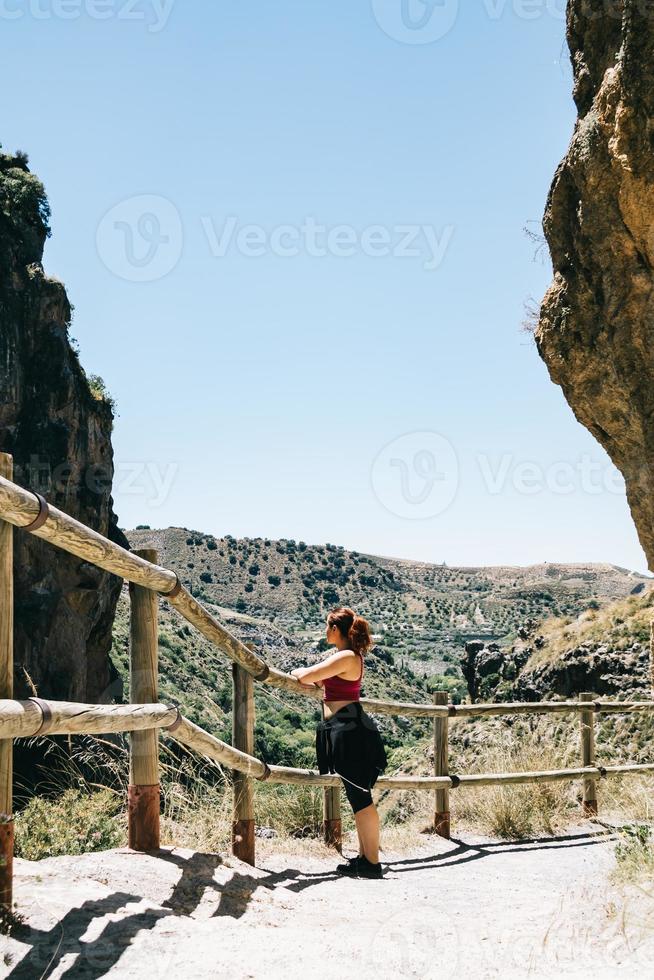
[(421, 612)]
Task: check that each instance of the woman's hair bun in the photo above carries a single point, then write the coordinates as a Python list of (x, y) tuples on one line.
[(354, 627)]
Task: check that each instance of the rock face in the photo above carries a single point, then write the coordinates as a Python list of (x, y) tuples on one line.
[(489, 671), (59, 433), (596, 329), (495, 674), (596, 668)]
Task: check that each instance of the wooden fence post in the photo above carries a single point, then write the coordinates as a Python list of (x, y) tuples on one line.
[(332, 824), (441, 768), (588, 756), (243, 739), (6, 691), (144, 793)]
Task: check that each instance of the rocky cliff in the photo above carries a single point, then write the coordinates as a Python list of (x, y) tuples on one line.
[(58, 429), (596, 329), (605, 650)]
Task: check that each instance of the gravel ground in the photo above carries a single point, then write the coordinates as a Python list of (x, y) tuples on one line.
[(470, 908)]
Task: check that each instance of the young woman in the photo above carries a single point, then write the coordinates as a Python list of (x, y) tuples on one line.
[(347, 740)]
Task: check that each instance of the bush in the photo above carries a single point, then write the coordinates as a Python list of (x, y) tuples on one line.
[(74, 823), (206, 577), (99, 390), (635, 852), (274, 580)]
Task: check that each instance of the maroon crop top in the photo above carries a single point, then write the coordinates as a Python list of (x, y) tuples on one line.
[(338, 689)]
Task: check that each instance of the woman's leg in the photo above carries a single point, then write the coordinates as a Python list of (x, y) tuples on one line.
[(367, 821)]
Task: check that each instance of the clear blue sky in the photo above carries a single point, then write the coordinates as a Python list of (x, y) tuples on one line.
[(279, 381)]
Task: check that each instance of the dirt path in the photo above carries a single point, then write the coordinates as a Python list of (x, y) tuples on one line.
[(468, 908)]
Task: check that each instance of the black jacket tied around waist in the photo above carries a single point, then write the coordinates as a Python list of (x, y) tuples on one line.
[(349, 743)]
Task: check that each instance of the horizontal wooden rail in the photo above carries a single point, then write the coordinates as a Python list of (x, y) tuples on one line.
[(283, 774), (195, 738), (502, 708), (24, 719)]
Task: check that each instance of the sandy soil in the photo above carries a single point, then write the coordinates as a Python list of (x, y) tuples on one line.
[(466, 908)]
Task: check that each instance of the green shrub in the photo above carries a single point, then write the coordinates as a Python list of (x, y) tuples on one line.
[(74, 823), (634, 852), (99, 390)]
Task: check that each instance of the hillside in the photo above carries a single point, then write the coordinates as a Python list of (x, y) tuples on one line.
[(422, 612)]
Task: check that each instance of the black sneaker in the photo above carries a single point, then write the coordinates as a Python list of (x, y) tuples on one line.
[(365, 869), (350, 867)]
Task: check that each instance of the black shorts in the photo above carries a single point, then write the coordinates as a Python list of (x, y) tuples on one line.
[(350, 745)]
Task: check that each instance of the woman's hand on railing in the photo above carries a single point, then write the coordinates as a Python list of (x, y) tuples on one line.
[(299, 673)]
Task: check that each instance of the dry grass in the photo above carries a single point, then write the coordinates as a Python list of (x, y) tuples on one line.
[(618, 624)]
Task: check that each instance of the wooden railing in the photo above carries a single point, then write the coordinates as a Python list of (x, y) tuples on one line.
[(145, 717)]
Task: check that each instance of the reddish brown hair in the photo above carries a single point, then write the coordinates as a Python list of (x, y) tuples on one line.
[(354, 628)]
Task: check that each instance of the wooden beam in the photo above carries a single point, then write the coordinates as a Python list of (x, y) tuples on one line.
[(243, 740), (6, 691), (22, 719), (203, 743), (332, 820), (441, 768), (143, 803), (587, 731)]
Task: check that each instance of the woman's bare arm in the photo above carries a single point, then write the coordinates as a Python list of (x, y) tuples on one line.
[(331, 667)]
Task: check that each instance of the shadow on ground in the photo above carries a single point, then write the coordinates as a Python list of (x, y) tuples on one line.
[(64, 944)]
